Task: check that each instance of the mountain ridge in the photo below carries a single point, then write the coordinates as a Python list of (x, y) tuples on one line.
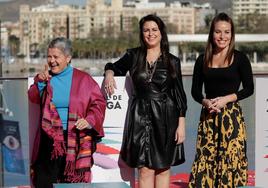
[(9, 10)]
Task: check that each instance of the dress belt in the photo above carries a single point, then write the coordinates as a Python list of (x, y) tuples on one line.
[(155, 96)]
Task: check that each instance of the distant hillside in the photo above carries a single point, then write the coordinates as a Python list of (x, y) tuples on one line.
[(9, 11)]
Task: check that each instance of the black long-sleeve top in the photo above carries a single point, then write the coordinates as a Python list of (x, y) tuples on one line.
[(223, 81)]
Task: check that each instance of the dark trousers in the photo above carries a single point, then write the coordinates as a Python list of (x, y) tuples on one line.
[(47, 171)]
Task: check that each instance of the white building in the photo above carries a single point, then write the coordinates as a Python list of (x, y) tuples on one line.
[(40, 24), (244, 7)]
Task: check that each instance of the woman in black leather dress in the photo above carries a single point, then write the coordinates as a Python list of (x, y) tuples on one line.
[(153, 139)]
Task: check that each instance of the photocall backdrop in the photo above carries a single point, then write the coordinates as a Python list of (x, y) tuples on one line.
[(109, 168), (261, 144)]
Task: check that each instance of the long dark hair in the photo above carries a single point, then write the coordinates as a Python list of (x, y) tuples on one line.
[(210, 43), (164, 45)]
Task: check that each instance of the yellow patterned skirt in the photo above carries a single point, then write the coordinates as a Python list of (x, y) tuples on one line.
[(220, 160)]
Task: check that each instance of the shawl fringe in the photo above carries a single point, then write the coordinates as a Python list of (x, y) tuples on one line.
[(75, 176), (59, 149)]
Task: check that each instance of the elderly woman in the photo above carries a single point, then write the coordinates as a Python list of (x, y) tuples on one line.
[(72, 114)]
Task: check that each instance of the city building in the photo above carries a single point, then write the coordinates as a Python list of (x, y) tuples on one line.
[(40, 24), (4, 36), (245, 7), (9, 40)]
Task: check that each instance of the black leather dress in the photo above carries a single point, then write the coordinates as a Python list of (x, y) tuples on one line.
[(152, 120)]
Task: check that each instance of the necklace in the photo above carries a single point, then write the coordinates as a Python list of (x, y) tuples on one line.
[(150, 67), (150, 70)]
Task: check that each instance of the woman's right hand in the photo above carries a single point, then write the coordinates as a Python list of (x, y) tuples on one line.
[(109, 82), (44, 75), (208, 104)]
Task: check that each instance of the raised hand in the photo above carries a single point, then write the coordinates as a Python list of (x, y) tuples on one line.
[(44, 75)]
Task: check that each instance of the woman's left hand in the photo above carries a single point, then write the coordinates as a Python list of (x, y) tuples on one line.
[(82, 124), (219, 102), (180, 132)]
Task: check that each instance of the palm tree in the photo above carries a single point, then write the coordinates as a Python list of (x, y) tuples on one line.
[(62, 29)]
